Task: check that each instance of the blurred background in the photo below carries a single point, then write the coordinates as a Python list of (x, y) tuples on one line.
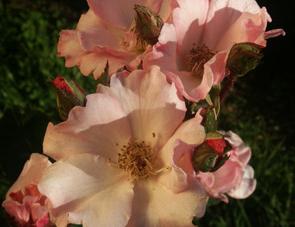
[(259, 109)]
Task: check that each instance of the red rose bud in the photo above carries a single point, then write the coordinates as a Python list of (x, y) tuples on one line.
[(60, 84), (218, 145), (69, 95), (212, 154), (244, 57), (148, 24)]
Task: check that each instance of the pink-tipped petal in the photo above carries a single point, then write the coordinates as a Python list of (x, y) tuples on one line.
[(178, 151), (31, 173), (247, 185), (177, 180), (190, 132), (274, 33)]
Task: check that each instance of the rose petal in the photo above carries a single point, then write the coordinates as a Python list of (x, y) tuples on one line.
[(121, 13), (154, 205), (31, 173), (90, 180), (247, 185), (154, 107), (99, 128), (92, 173)]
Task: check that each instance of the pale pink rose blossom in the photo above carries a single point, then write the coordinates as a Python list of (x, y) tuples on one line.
[(235, 178), (114, 157), (23, 201), (194, 48), (104, 35)]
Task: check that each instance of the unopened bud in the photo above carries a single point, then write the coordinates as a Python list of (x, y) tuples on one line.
[(212, 154), (69, 95), (244, 57), (204, 158), (148, 24)]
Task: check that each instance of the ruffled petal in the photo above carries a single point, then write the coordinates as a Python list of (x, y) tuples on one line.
[(121, 13), (190, 132), (177, 153), (92, 32), (99, 128), (31, 173), (69, 47), (156, 206), (247, 185), (245, 21), (227, 177), (177, 179)]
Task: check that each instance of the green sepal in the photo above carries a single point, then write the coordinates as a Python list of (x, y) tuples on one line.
[(219, 162), (214, 135), (210, 120), (204, 158), (148, 24), (244, 57), (105, 78), (215, 98)]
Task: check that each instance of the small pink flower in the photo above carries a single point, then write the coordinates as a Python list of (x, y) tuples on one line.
[(194, 48), (114, 156), (235, 178), (23, 201), (104, 35)]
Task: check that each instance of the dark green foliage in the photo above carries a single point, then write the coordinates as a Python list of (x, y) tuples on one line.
[(29, 61)]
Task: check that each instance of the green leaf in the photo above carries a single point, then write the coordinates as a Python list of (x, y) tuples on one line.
[(244, 57)]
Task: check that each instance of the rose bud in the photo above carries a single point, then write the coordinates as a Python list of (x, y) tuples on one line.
[(244, 57), (212, 154), (147, 24), (69, 94)]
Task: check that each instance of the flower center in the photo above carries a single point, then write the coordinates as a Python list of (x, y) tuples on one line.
[(197, 57), (136, 159)]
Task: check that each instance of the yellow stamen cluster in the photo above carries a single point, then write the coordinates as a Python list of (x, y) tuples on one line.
[(136, 159), (197, 57)]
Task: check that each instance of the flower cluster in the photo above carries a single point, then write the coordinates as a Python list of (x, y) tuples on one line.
[(145, 149)]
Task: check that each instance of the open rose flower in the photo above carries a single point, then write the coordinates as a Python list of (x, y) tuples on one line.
[(235, 178), (114, 156), (106, 34), (194, 48), (23, 201)]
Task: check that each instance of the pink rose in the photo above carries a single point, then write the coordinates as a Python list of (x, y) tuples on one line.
[(193, 49), (23, 201), (105, 34)]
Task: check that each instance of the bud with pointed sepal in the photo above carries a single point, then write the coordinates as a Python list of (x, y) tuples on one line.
[(69, 95), (148, 24), (244, 57), (212, 154)]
